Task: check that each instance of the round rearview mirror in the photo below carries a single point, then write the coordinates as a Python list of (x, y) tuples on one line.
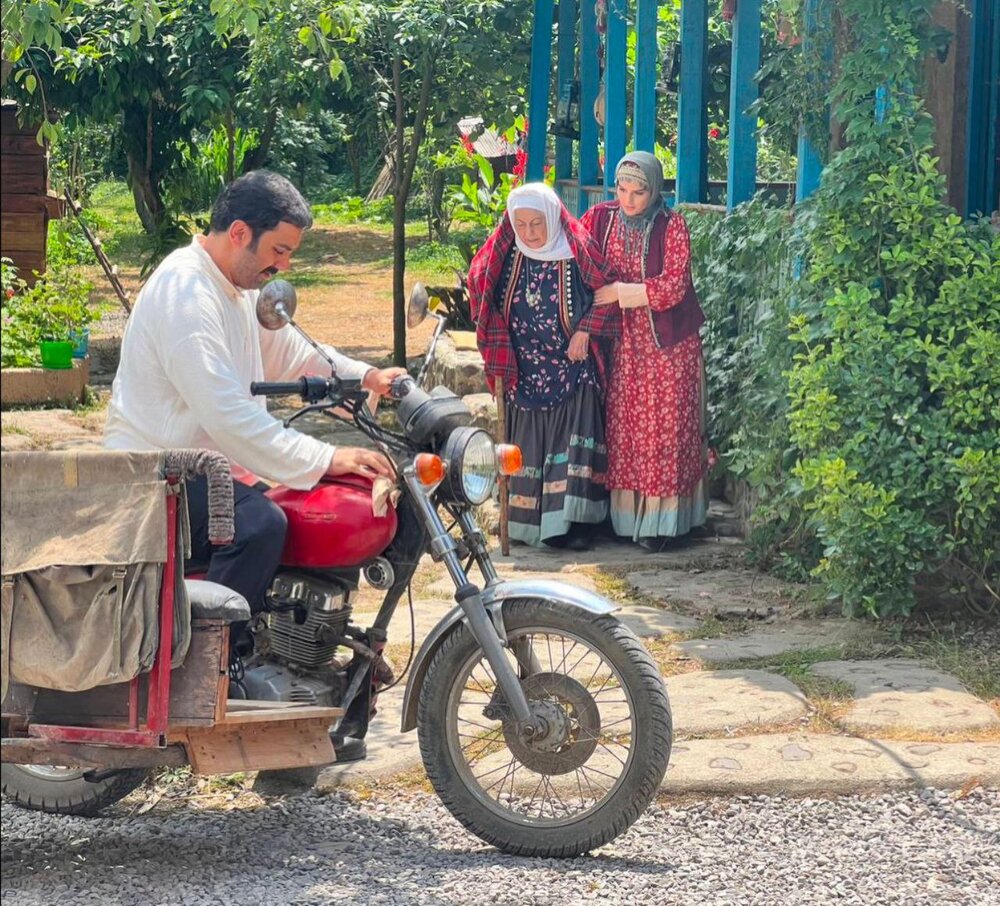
[(276, 304), (419, 305)]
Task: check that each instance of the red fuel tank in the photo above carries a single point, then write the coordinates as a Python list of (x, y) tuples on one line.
[(332, 525)]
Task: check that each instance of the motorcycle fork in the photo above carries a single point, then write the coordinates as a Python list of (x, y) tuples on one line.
[(476, 540), (492, 639)]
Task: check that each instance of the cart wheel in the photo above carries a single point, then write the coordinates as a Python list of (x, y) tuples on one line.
[(66, 791)]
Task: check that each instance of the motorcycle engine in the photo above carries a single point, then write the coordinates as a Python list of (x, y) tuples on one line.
[(307, 614), (295, 648)]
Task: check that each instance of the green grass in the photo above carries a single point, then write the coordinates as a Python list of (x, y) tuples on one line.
[(714, 628), (977, 667), (794, 663), (110, 212)]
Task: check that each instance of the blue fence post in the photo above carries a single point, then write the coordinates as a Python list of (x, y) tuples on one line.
[(538, 98), (692, 123), (644, 110), (741, 181), (589, 85), (983, 108), (810, 164), (614, 91), (565, 75)]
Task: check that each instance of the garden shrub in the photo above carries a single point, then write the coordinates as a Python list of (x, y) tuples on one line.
[(860, 399)]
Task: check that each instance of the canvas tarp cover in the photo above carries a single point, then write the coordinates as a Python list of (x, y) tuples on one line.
[(84, 545)]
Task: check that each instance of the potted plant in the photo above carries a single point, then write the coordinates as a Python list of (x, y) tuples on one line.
[(47, 322)]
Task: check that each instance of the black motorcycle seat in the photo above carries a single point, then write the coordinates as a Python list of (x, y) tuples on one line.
[(211, 601)]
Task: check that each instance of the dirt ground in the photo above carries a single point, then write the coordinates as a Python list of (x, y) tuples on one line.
[(343, 274)]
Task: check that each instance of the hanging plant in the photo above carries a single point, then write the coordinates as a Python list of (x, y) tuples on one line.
[(789, 19)]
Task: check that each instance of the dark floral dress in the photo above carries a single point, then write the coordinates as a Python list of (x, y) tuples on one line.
[(555, 411)]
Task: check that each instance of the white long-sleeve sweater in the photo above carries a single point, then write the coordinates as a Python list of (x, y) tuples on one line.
[(191, 348)]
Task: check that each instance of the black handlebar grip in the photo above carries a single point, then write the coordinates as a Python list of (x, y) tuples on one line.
[(401, 386), (278, 388)]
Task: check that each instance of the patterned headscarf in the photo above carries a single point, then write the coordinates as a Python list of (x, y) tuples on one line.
[(643, 168), (537, 196)]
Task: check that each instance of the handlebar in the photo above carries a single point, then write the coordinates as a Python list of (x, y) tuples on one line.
[(313, 389), (278, 388)]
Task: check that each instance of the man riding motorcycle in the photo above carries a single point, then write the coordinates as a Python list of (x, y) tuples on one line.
[(190, 351)]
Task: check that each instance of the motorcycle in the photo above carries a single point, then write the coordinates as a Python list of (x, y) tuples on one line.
[(543, 723)]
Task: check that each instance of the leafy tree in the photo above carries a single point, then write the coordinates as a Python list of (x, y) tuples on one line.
[(426, 61), (154, 71)]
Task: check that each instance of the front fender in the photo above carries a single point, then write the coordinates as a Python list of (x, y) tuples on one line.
[(493, 597)]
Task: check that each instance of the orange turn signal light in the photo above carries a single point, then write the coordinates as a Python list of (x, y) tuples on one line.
[(429, 469), (509, 459)]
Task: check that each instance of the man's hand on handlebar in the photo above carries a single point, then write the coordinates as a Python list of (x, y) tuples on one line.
[(380, 380), (356, 461)]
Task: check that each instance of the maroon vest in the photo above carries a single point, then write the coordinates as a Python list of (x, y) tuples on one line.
[(674, 324)]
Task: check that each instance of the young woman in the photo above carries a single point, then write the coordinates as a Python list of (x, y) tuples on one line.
[(531, 292), (657, 458)]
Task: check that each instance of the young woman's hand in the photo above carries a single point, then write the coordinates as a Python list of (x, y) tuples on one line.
[(606, 295), (578, 346)]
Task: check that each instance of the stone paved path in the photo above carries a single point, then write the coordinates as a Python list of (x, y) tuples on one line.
[(720, 701), (781, 638), (811, 763), (907, 695), (716, 592)]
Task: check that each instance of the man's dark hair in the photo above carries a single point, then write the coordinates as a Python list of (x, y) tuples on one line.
[(262, 200)]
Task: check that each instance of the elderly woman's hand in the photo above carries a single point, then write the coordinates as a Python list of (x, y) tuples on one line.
[(606, 295), (578, 346)]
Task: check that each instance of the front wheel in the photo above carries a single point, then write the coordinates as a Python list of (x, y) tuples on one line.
[(66, 791), (604, 742)]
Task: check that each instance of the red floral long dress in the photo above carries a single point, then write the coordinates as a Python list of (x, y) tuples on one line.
[(657, 455)]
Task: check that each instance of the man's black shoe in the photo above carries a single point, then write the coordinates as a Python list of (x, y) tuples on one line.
[(348, 748)]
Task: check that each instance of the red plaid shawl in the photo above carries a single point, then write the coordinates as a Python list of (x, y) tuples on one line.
[(492, 335)]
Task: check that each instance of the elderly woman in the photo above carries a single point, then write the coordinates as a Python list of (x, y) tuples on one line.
[(657, 458), (531, 293)]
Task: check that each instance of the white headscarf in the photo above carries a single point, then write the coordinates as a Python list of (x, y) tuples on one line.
[(539, 197)]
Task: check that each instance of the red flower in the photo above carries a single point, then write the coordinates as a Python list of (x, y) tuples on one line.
[(520, 164), (713, 457), (10, 293), (714, 133), (467, 144)]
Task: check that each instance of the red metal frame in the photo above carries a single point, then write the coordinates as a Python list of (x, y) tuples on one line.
[(158, 693)]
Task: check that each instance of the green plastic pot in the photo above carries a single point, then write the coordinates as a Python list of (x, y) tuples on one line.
[(56, 354)]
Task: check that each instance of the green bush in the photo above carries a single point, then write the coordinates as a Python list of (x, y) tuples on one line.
[(895, 394)]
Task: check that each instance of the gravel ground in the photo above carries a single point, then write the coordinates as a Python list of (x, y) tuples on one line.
[(900, 848)]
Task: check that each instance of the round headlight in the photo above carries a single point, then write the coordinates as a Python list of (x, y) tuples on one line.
[(472, 465)]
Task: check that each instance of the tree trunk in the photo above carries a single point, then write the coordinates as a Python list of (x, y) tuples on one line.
[(256, 159), (403, 167), (146, 193), (398, 223), (142, 180), (230, 147), (354, 161), (436, 206)]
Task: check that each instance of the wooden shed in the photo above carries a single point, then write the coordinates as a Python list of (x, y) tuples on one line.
[(26, 204)]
